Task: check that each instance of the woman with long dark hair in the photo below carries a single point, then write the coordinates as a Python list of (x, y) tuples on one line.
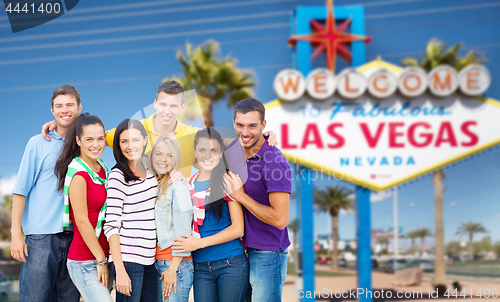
[(220, 264), (174, 216), (130, 218), (82, 177)]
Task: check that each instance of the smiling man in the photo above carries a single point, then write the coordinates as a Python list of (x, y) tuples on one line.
[(265, 199), (37, 211), (169, 103)]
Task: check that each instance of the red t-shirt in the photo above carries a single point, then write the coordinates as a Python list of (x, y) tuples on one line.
[(96, 196)]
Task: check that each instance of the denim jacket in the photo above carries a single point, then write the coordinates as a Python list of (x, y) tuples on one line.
[(174, 216)]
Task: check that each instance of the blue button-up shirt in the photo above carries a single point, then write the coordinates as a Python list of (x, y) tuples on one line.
[(43, 213)]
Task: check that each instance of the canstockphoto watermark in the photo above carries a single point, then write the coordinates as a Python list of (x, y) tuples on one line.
[(355, 293)]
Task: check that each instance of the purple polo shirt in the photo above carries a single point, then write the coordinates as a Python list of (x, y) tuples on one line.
[(268, 171)]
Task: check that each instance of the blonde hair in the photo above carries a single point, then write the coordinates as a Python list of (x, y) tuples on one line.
[(175, 149)]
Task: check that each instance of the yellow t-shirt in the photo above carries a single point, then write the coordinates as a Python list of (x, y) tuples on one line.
[(183, 133)]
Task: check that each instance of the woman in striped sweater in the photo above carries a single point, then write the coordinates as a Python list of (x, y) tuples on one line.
[(130, 216)]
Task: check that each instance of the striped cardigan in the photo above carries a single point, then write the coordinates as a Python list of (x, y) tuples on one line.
[(131, 215)]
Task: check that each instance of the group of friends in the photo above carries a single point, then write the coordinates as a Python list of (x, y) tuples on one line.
[(147, 225)]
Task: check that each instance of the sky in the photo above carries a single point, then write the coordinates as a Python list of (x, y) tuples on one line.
[(117, 52)]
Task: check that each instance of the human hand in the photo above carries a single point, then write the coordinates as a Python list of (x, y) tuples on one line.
[(169, 278), (177, 177), (272, 140), (47, 127), (123, 283), (103, 274), (233, 185), (18, 248), (186, 244)]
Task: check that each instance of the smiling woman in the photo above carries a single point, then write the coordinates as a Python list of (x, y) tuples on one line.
[(221, 267), (82, 177), (130, 219), (174, 216)]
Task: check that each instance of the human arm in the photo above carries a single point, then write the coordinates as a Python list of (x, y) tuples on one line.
[(169, 277), (177, 177), (18, 247), (110, 136), (27, 176), (47, 127), (235, 230), (182, 208), (115, 199), (272, 140), (78, 199), (276, 214), (123, 283)]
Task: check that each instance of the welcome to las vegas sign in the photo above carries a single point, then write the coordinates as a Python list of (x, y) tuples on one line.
[(380, 139)]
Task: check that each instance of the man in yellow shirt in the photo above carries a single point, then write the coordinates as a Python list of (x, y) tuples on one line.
[(169, 103)]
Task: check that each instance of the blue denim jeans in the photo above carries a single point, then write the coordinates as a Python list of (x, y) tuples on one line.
[(44, 277), (224, 280), (184, 280), (144, 279), (84, 276), (267, 274)]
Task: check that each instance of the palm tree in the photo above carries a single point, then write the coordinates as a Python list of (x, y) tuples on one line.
[(213, 78), (422, 233), (436, 54), (332, 200), (469, 228), (292, 226), (412, 235)]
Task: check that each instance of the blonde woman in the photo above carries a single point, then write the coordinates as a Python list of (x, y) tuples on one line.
[(173, 216)]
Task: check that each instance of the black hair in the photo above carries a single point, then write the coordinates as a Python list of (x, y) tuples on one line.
[(121, 160), (250, 104), (70, 148), (216, 198)]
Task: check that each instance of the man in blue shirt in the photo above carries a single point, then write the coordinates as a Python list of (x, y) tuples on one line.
[(37, 211)]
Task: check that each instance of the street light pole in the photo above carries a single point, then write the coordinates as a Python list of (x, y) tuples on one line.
[(396, 229)]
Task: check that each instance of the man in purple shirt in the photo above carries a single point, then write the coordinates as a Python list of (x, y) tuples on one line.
[(265, 199)]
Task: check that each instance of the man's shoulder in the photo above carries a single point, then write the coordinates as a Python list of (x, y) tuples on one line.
[(187, 129), (273, 154), (38, 141)]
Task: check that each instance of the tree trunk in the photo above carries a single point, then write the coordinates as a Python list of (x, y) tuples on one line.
[(439, 249), (335, 235), (412, 245), (207, 115), (471, 246)]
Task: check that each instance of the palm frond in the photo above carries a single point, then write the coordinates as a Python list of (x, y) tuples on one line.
[(436, 54), (410, 62)]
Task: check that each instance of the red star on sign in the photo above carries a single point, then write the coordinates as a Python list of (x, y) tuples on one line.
[(329, 39)]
